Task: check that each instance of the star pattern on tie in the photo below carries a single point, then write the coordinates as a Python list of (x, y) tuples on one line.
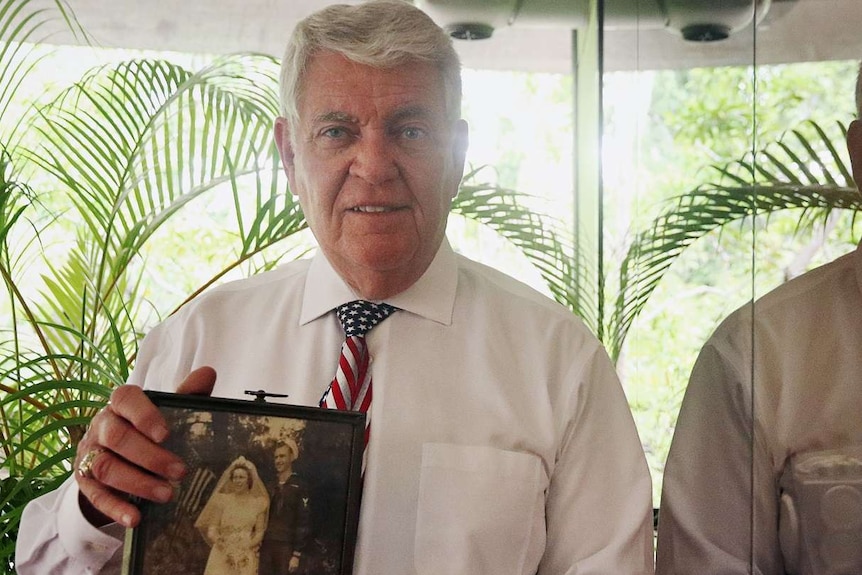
[(359, 317)]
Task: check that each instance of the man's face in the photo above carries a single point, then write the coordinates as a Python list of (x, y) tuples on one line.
[(375, 165), (283, 459)]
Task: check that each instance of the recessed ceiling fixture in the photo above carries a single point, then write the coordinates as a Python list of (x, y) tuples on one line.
[(693, 20), (711, 20)]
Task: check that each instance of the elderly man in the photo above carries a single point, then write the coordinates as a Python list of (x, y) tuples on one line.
[(775, 491), (500, 439)]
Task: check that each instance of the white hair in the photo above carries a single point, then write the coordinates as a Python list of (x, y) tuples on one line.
[(379, 33)]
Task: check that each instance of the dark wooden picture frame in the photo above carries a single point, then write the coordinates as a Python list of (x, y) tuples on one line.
[(215, 435)]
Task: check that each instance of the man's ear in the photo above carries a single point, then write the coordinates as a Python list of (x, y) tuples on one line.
[(284, 144), (854, 146), (460, 142)]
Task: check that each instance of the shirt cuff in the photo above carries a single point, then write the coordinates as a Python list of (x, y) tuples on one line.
[(92, 547)]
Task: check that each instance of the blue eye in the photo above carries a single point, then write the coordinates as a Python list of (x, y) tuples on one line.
[(335, 132), (413, 133)]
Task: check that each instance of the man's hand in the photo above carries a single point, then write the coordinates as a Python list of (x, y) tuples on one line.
[(122, 456)]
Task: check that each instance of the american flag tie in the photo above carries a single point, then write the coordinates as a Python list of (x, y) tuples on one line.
[(351, 387)]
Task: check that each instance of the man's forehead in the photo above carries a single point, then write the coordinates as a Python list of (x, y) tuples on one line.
[(335, 88)]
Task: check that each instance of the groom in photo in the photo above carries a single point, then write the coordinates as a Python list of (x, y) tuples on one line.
[(287, 530)]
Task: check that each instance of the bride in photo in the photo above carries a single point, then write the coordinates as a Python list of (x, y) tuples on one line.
[(234, 519)]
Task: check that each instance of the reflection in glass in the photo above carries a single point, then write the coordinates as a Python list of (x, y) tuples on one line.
[(735, 157)]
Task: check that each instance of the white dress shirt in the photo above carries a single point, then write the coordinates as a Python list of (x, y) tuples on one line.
[(502, 442), (726, 474)]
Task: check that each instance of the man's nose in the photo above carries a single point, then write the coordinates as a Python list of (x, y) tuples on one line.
[(374, 160)]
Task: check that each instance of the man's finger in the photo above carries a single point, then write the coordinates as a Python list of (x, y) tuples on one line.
[(129, 403), (199, 382), (101, 505), (120, 476)]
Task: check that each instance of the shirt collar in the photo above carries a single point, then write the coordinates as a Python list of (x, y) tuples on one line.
[(431, 297)]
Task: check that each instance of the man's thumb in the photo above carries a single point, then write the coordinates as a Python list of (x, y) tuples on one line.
[(199, 382)]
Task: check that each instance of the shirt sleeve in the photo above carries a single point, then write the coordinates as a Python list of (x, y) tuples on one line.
[(599, 503), (719, 492), (54, 537)]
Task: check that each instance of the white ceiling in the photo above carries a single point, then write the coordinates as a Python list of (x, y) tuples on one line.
[(636, 36)]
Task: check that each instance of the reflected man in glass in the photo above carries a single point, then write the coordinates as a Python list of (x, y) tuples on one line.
[(764, 473)]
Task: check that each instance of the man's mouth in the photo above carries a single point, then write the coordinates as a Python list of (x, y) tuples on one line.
[(372, 209)]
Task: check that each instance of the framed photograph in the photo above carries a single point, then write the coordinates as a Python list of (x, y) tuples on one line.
[(270, 488)]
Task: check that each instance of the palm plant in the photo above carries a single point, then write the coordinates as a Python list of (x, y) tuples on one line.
[(120, 154), (802, 171)]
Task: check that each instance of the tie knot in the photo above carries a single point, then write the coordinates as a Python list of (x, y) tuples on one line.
[(358, 317)]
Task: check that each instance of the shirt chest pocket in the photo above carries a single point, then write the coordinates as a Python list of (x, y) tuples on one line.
[(479, 508)]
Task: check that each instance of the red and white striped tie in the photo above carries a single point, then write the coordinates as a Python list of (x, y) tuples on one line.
[(351, 387)]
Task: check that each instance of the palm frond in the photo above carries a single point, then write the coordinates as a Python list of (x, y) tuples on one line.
[(266, 214), (540, 239), (802, 171), (132, 144), (14, 197), (135, 142), (24, 26)]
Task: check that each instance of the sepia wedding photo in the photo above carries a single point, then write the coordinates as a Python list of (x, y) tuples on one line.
[(270, 488)]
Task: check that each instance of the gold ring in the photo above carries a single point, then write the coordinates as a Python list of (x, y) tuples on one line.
[(85, 467)]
